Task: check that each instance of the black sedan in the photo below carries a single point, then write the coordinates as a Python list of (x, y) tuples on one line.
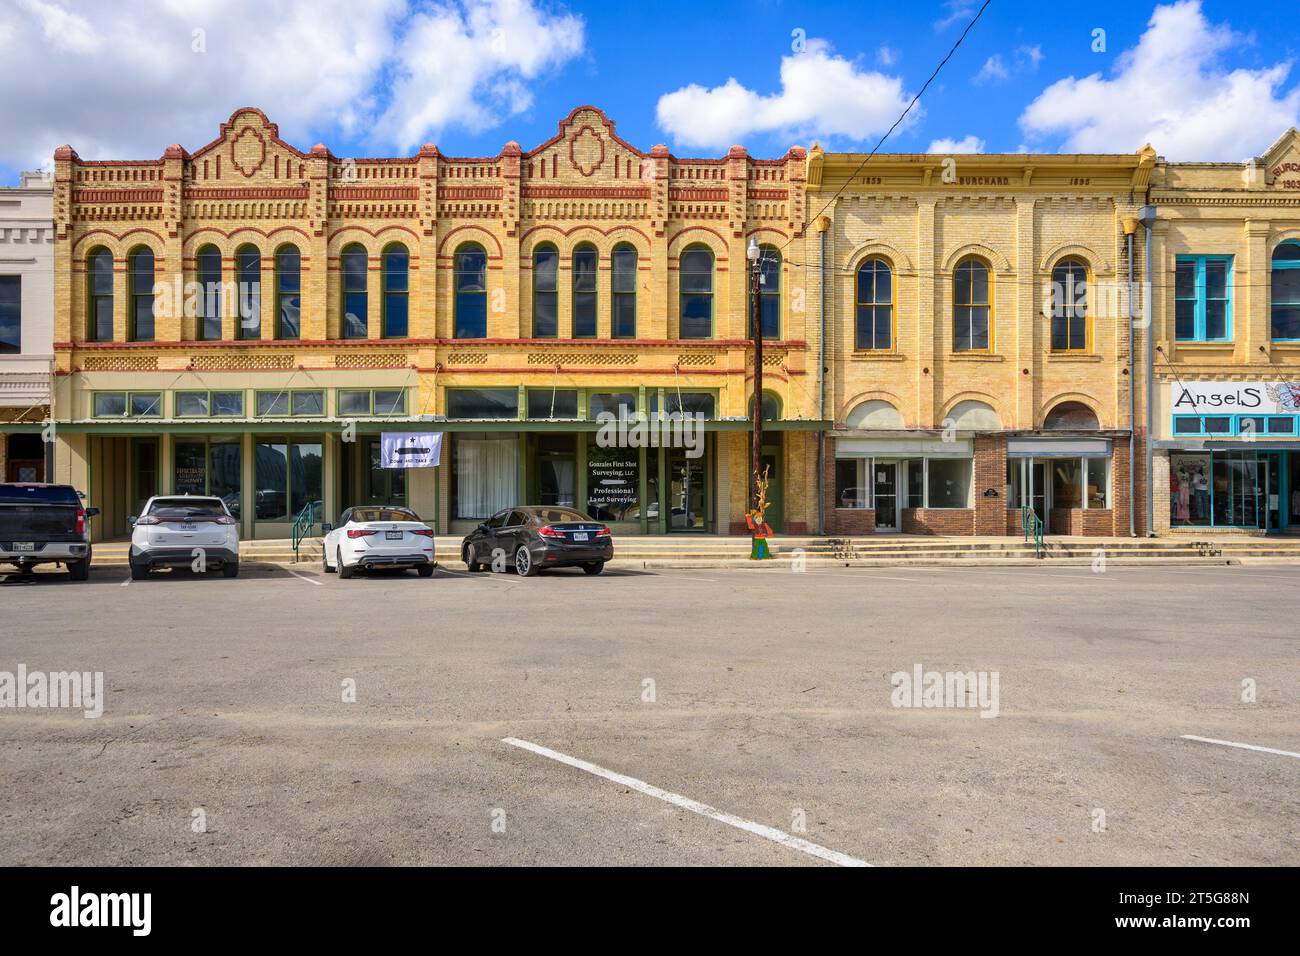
[(532, 537)]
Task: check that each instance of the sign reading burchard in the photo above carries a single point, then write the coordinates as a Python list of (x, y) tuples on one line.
[(1276, 398)]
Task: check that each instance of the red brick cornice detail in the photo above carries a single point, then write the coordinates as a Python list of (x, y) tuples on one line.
[(83, 195), (586, 192), (469, 192), (361, 193), (248, 192)]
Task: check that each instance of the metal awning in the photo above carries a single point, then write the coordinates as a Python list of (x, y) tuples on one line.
[(903, 448), (1058, 448)]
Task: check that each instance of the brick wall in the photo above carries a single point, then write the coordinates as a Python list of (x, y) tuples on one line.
[(939, 520), (990, 474)]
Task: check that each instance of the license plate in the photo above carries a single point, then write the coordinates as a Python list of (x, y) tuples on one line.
[(187, 525), (579, 536), (393, 535), (24, 545)]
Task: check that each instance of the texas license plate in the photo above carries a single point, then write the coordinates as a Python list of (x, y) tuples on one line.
[(24, 545), (187, 525), (579, 536), (393, 535)]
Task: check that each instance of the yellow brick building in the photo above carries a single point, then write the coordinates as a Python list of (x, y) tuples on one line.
[(977, 337), (248, 318), (1226, 401)]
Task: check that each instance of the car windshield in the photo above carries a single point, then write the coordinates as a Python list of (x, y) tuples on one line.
[(558, 515), (361, 515), (187, 508), (38, 495)]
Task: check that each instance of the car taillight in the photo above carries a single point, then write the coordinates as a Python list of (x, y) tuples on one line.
[(546, 531), (602, 533), (424, 532), (148, 519), (355, 533), (81, 521), (225, 519)]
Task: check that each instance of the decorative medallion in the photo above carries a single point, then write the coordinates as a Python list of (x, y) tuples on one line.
[(586, 151), (248, 151)]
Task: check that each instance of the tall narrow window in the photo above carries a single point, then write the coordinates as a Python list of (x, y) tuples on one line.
[(875, 306), (546, 306), (971, 307), (248, 273), (1286, 291), (288, 293), (769, 295), (1203, 299), (471, 292), (396, 271), (140, 274), (1070, 306), (11, 315), (99, 280), (623, 323), (208, 263), (696, 273), (354, 264), (585, 263)]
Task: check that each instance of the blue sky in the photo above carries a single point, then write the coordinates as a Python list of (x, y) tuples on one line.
[(1201, 80)]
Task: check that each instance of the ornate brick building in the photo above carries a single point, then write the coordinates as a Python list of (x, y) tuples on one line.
[(977, 339), (247, 319)]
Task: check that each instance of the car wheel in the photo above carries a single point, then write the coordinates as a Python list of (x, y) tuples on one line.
[(525, 566), (344, 571), (595, 567), (470, 564), (425, 570), (139, 572), (79, 570), (325, 562), (230, 569)]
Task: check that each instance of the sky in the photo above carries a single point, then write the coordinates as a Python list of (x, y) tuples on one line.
[(1199, 80)]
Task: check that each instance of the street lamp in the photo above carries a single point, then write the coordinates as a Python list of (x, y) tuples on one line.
[(753, 254)]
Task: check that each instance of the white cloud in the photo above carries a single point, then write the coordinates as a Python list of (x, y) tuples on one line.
[(1030, 54), (118, 86), (993, 69), (957, 10), (822, 95), (886, 56), (1171, 91), (968, 144)]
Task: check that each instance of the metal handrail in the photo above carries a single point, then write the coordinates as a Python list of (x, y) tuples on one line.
[(304, 524), (1030, 522)]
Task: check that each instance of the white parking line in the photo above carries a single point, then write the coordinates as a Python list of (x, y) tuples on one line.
[(304, 577), (686, 803), (1230, 743), (125, 583)]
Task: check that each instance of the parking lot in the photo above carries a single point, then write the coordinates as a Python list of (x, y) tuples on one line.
[(742, 717)]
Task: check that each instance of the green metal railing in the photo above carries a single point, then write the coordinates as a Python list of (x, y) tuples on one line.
[(304, 524), (1032, 524)]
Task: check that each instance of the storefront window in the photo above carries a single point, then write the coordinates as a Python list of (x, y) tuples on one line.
[(384, 486), (545, 403), (485, 473), (915, 483), (225, 472), (288, 475), (611, 402), (688, 403), (1097, 495), (482, 403), (850, 483), (1066, 483), (557, 466), (1189, 490), (191, 474), (612, 484), (949, 482)]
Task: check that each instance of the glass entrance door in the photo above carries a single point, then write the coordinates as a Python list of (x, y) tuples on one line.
[(687, 488), (886, 489)]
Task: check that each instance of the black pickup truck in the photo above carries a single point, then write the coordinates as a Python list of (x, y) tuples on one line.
[(44, 524)]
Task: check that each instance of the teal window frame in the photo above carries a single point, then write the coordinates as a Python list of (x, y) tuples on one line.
[(1274, 265), (1199, 292), (1235, 429)]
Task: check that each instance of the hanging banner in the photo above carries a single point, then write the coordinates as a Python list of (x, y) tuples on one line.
[(1234, 398), (410, 449)]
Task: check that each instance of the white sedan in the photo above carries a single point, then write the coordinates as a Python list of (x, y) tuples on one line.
[(373, 536)]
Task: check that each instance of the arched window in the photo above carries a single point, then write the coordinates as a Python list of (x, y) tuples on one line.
[(875, 306), (288, 293), (1071, 416), (208, 264), (99, 282), (769, 291), (546, 297), (874, 415), (1070, 306), (973, 416), (585, 263), (396, 265), (1286, 291), (771, 406), (471, 292), (696, 274), (248, 273), (140, 279), (623, 324), (971, 307), (354, 265)]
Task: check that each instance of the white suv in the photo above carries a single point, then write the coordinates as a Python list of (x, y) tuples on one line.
[(180, 530)]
